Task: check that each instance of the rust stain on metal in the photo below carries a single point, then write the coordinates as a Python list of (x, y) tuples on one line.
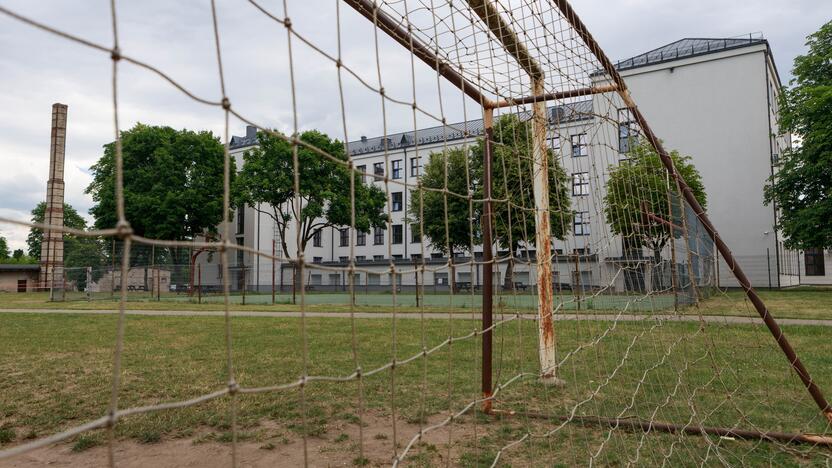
[(543, 237)]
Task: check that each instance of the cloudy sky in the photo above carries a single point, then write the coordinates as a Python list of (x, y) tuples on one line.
[(38, 69)]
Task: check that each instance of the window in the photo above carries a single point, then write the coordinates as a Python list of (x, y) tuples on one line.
[(581, 251), (627, 131), (343, 260), (378, 236), (415, 235), (316, 239), (581, 224), (241, 255), (378, 170), (580, 183), (579, 148), (344, 236), (360, 258), (554, 143), (397, 200), (397, 169), (241, 220), (317, 259), (378, 258), (398, 234), (416, 256), (397, 257), (360, 238), (415, 170), (361, 171), (814, 262)]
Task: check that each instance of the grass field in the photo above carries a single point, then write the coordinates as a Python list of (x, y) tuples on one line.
[(802, 303), (57, 368)]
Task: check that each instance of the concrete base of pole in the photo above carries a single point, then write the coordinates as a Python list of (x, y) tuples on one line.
[(550, 380)]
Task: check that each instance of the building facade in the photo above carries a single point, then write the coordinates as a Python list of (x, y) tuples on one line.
[(713, 99)]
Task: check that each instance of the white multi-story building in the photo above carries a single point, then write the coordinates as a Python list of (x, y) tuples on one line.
[(713, 99)]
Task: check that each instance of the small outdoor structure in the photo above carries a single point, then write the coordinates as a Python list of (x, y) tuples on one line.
[(138, 279), (19, 278)]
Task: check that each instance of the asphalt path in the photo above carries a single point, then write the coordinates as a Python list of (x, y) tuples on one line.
[(560, 316)]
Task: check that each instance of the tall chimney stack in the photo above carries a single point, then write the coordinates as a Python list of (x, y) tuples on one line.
[(52, 246)]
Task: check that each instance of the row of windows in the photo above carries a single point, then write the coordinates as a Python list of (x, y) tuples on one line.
[(580, 228), (628, 132), (433, 256), (396, 169), (378, 236)]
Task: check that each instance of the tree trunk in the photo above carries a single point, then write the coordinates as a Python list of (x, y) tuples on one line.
[(658, 284), (508, 281)]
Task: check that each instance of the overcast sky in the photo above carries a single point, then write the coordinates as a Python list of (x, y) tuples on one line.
[(38, 69)]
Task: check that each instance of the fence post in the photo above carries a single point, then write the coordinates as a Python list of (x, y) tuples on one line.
[(488, 280), (113, 271), (199, 282), (273, 268)]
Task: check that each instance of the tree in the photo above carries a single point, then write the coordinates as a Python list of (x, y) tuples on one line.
[(4, 248), (79, 252), (801, 189), (266, 182), (512, 179), (18, 254), (640, 186), (428, 207), (71, 220), (173, 183)]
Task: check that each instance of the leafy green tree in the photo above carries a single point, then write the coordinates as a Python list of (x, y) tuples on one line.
[(18, 254), (79, 252), (71, 220), (266, 182), (4, 248), (428, 207), (640, 185), (512, 179), (173, 187), (173, 183), (802, 187)]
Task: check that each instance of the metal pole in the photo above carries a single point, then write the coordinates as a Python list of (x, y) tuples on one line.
[(722, 247), (487, 258), (690, 429), (113, 271), (273, 268), (199, 282), (416, 272), (543, 240)]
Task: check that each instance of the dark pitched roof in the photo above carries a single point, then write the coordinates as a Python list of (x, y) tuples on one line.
[(688, 47), (19, 267), (570, 112), (559, 114)]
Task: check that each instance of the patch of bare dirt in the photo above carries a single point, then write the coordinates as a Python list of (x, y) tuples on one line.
[(275, 446)]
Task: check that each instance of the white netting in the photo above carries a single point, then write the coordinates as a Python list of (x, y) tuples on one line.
[(386, 324)]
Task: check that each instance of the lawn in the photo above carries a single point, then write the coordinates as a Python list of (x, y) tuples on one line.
[(56, 374), (801, 303)]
